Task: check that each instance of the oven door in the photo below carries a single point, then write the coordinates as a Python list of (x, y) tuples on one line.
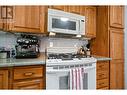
[(59, 79)]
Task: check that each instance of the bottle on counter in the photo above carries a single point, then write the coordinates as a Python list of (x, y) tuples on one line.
[(12, 53), (81, 51), (88, 53)]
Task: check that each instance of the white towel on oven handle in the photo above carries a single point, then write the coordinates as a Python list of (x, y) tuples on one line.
[(76, 78)]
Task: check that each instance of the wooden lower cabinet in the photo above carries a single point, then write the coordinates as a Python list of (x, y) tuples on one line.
[(102, 75), (117, 74), (29, 77), (23, 77), (28, 84), (3, 79)]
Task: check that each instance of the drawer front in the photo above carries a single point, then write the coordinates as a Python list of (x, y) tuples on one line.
[(102, 66), (30, 72), (29, 84), (102, 83), (102, 74)]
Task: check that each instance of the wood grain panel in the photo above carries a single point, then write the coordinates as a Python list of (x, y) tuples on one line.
[(117, 16), (116, 44), (30, 72), (117, 74), (3, 79), (90, 15), (29, 84), (28, 19)]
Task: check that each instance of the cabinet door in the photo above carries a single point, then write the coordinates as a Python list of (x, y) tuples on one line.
[(74, 9), (90, 14), (117, 44), (3, 79), (117, 16), (2, 16), (117, 74), (29, 84), (62, 7), (1, 21), (26, 18)]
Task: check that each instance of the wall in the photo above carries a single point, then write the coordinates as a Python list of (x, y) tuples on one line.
[(8, 40), (125, 41)]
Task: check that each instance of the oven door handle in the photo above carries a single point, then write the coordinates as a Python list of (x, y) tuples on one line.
[(64, 71), (57, 71)]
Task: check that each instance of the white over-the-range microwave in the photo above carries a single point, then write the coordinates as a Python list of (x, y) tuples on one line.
[(65, 22)]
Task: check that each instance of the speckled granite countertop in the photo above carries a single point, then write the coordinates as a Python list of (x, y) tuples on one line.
[(101, 58), (36, 61), (22, 62)]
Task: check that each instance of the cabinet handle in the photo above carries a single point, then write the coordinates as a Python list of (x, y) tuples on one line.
[(37, 81), (101, 75), (101, 83), (101, 66), (28, 74)]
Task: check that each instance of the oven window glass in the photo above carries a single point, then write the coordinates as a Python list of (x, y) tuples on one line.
[(85, 81), (63, 24), (63, 82)]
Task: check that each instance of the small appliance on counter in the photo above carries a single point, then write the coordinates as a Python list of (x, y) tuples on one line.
[(4, 53), (27, 46)]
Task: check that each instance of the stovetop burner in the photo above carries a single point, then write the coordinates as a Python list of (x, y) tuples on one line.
[(65, 56)]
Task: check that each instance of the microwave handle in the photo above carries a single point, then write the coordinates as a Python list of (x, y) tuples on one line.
[(82, 27)]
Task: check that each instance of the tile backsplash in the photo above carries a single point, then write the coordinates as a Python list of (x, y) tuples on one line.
[(61, 42), (8, 40)]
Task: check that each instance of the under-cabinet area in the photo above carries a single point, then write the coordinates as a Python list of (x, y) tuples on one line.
[(75, 47)]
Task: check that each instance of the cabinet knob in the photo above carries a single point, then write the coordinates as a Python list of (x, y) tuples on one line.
[(28, 74)]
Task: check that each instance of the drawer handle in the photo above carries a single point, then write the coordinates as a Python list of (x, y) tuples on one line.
[(101, 75), (101, 84), (101, 66), (28, 74)]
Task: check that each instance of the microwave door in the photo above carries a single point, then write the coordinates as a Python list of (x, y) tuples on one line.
[(63, 25)]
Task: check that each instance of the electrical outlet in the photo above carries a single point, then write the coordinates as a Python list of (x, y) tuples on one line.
[(51, 44)]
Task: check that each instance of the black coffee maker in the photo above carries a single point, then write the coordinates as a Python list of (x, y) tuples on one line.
[(27, 46)]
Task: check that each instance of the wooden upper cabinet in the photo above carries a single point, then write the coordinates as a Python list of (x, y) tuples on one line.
[(90, 15), (70, 8), (26, 18), (1, 21), (117, 44), (74, 9), (62, 7), (3, 79), (117, 16), (2, 17)]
